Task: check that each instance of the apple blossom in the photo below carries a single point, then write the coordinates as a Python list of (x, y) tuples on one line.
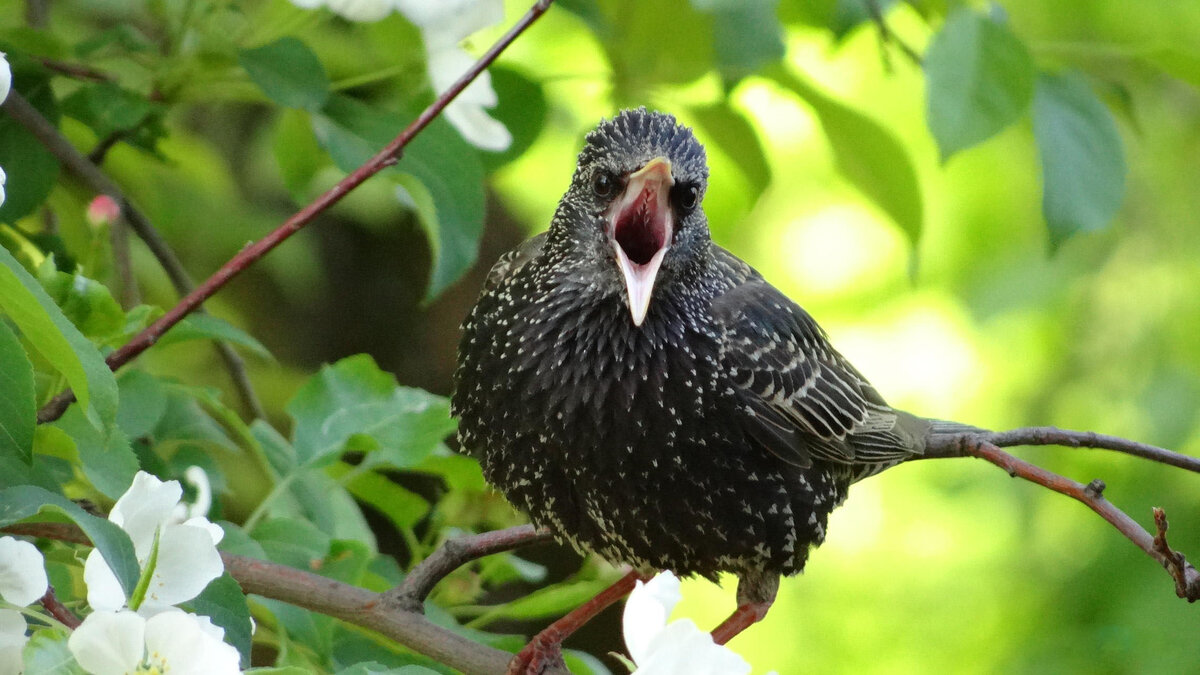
[(180, 557), (172, 641), (676, 648)]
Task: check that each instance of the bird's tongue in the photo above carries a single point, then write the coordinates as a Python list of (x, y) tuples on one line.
[(641, 236)]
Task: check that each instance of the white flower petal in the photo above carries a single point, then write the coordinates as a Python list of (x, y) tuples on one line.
[(22, 572), (452, 16), (447, 65), (5, 81), (12, 641), (186, 644), (104, 592), (2, 179), (646, 612), (214, 531), (477, 127), (683, 649), (197, 478), (366, 11), (187, 561), (308, 4), (146, 506), (109, 643)]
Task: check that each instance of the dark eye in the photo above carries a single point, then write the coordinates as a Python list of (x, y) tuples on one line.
[(685, 196), (604, 184)]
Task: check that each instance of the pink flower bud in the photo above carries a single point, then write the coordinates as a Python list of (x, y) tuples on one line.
[(102, 211)]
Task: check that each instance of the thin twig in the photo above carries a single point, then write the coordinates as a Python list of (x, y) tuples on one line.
[(77, 70), (886, 36), (336, 599), (58, 610), (58, 145), (386, 157), (1174, 561), (1091, 439), (453, 554), (1187, 579)]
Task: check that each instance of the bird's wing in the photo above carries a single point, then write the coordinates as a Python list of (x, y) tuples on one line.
[(797, 395), (514, 260)]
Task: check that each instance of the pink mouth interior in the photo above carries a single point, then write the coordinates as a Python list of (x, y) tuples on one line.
[(640, 230)]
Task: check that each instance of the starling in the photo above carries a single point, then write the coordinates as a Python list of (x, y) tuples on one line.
[(647, 396)]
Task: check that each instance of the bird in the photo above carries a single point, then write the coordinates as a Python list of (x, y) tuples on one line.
[(647, 396)]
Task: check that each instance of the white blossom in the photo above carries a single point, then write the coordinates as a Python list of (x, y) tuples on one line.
[(22, 572), (676, 648), (12, 641), (443, 26), (5, 77), (187, 557), (173, 641)]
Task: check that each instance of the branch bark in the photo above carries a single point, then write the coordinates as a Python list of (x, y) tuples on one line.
[(349, 603), (983, 446)]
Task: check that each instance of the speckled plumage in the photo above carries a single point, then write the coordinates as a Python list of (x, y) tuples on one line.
[(716, 436)]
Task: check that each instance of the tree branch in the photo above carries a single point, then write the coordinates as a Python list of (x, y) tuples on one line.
[(1091, 439), (386, 157), (352, 604), (58, 610), (1186, 577), (886, 36), (74, 161), (453, 554)]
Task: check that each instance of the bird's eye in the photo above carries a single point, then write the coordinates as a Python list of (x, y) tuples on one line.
[(685, 196), (604, 184)]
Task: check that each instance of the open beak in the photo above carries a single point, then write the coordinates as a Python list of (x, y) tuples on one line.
[(640, 226)]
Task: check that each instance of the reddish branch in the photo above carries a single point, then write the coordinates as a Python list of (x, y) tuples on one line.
[(1187, 579), (58, 610), (250, 254)]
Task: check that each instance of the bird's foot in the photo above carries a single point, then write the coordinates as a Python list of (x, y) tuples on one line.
[(756, 594), (742, 618), (543, 654)]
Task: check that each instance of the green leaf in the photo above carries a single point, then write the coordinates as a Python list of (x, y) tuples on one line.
[(980, 80), (1083, 164), (404, 508), (522, 110), (354, 397), (18, 405), (142, 403), (209, 327), (108, 460), (746, 35), (223, 601), (553, 600), (108, 109), (293, 542), (297, 152), (867, 154), (447, 168), (32, 170), (288, 72), (729, 131), (21, 502), (849, 14), (86, 302), (58, 340), (47, 653)]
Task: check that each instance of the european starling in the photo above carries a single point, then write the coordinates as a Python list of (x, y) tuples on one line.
[(647, 396)]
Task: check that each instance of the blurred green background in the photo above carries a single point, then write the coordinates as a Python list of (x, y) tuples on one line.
[(944, 566)]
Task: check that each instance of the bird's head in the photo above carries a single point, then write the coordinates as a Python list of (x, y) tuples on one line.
[(634, 204)]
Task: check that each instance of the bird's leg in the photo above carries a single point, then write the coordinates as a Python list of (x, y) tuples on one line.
[(755, 596), (544, 651)]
